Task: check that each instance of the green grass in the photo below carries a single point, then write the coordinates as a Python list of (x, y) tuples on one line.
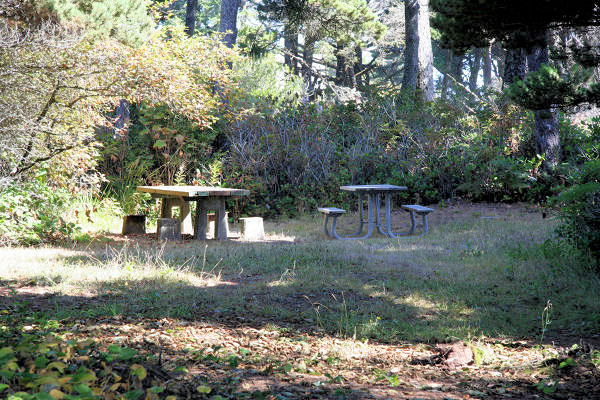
[(470, 277)]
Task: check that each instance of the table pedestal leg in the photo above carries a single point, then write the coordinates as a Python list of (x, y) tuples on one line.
[(388, 212), (200, 221), (185, 217), (165, 208), (221, 226), (361, 210)]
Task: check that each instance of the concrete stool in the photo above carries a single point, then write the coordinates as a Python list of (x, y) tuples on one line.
[(168, 229), (134, 224), (252, 228)]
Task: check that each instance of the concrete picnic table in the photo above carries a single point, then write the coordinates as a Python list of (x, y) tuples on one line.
[(374, 194), (206, 198)]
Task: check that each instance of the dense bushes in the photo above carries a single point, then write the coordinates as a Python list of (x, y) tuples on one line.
[(297, 157), (30, 213), (294, 156), (579, 208)]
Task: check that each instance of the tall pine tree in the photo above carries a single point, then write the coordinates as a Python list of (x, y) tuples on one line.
[(522, 27)]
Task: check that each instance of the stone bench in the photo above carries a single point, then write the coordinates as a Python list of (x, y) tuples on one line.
[(134, 224), (253, 228), (168, 229), (334, 213)]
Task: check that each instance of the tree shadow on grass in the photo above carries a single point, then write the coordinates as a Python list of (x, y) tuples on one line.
[(141, 313)]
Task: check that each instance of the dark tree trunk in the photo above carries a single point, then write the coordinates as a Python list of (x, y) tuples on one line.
[(545, 127), (418, 56), (445, 79), (358, 66), (515, 66), (290, 42), (547, 137), (228, 23), (340, 64), (122, 118), (409, 79), (307, 55), (475, 67), (456, 67), (190, 16), (344, 73), (487, 67)]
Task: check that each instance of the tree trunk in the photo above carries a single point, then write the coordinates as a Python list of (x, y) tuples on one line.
[(474, 67), (344, 73), (358, 66), (307, 55), (487, 67), (190, 16), (500, 53), (122, 119), (515, 66), (340, 64), (290, 42), (545, 127), (418, 56), (228, 23), (456, 67), (445, 79), (409, 79)]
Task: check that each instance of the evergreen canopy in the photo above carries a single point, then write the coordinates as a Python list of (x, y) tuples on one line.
[(567, 82), (517, 23)]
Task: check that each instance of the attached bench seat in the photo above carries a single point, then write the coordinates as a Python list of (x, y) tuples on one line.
[(420, 210), (334, 213), (331, 210)]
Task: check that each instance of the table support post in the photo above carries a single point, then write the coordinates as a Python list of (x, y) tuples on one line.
[(165, 208), (413, 222), (201, 221), (221, 222), (378, 207), (185, 217), (361, 210)]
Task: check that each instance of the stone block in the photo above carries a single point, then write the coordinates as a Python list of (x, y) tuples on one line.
[(134, 224), (168, 229), (253, 228)]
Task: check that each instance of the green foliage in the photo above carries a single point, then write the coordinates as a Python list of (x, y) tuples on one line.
[(61, 87), (437, 150), (467, 23), (38, 367), (263, 82), (31, 212), (125, 20), (160, 146), (343, 21), (548, 88), (579, 208)]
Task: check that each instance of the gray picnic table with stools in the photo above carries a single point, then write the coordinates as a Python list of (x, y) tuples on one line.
[(206, 198), (374, 194)]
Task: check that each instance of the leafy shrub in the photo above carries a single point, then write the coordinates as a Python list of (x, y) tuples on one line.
[(579, 209), (296, 157), (30, 213)]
